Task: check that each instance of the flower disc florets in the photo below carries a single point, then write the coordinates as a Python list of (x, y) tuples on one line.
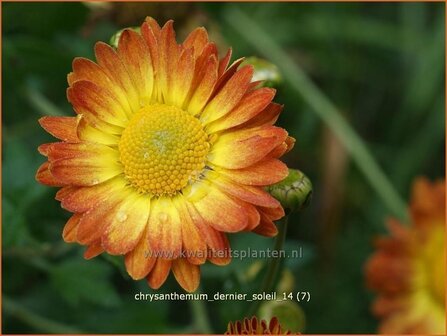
[(162, 149)]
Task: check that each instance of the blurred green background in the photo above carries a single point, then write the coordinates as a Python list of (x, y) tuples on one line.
[(380, 64)]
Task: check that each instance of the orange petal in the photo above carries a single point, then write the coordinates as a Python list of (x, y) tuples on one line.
[(63, 128), (253, 217), (205, 88), (221, 211), (83, 164), (182, 79), (274, 326), (93, 250), (244, 148), (169, 55), (193, 243), (45, 176), (229, 96), (253, 195), (226, 75), (427, 205), (282, 148), (255, 85), (290, 142), (152, 41), (136, 57), (272, 213), (266, 227), (219, 257), (215, 240), (64, 150), (197, 40), (84, 198), (98, 106), (81, 173), (44, 149), (87, 132), (278, 151), (223, 63), (263, 173), (209, 51), (165, 228), (251, 104), (95, 221), (159, 273), (70, 228), (113, 66), (65, 192), (127, 226), (139, 261), (268, 116), (86, 70), (154, 26), (204, 77), (187, 275)]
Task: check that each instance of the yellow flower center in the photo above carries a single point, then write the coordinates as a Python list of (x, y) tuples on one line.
[(162, 149)]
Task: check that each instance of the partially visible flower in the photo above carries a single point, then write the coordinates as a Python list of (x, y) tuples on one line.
[(170, 150), (408, 268), (254, 326)]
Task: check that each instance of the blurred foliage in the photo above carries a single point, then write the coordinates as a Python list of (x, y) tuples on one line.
[(381, 64)]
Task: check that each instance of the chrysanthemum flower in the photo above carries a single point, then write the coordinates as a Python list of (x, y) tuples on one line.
[(408, 268), (170, 150), (254, 326)]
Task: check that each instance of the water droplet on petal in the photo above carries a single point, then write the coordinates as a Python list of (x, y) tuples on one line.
[(163, 217), (95, 181), (146, 155), (121, 216)]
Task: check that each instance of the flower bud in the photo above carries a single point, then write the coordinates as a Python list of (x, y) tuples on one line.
[(294, 192), (264, 71)]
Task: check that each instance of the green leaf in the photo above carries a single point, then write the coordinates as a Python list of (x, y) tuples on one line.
[(44, 19), (14, 230), (80, 280), (20, 165), (117, 262)]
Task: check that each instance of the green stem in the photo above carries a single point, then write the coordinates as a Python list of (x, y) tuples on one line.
[(274, 265), (322, 106), (200, 316), (36, 321)]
